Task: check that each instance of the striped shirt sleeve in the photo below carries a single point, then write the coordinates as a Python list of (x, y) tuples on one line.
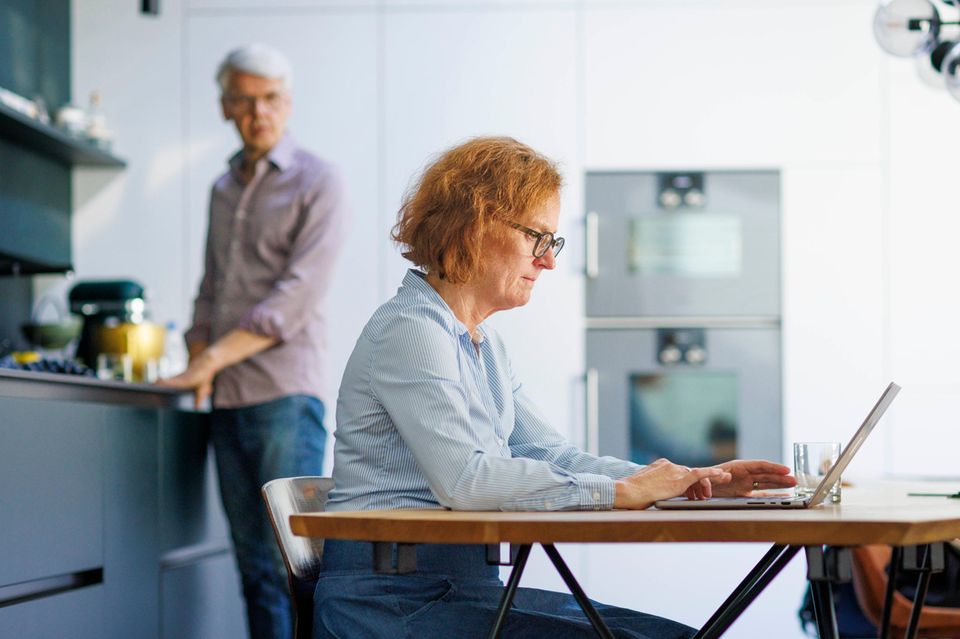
[(423, 377)]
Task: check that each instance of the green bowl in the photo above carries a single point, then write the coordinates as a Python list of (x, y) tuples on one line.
[(52, 336)]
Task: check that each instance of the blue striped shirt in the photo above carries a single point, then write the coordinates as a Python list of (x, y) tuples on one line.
[(429, 418)]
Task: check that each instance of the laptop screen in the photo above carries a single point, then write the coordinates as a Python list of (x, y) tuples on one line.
[(855, 443)]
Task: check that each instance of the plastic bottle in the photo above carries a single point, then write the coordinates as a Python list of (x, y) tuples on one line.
[(174, 359)]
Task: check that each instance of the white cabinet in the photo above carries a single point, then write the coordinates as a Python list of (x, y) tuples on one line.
[(717, 85), (452, 75), (923, 262)]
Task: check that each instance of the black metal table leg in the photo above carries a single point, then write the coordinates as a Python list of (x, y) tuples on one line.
[(926, 559), (891, 588), (923, 583), (507, 598), (824, 610), (825, 567), (752, 585), (598, 623)]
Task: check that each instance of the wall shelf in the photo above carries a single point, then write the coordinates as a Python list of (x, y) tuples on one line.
[(15, 265), (53, 142)]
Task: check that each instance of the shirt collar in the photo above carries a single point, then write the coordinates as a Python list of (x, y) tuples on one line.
[(281, 155), (417, 280)]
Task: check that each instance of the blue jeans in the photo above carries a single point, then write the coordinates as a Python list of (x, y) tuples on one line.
[(254, 444), (453, 593)]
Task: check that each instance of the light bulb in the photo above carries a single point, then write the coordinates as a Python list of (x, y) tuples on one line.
[(906, 28), (930, 63), (951, 71)]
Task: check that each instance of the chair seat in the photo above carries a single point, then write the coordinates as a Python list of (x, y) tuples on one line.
[(870, 584)]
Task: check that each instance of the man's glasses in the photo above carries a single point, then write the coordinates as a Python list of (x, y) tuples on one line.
[(248, 103), (544, 241)]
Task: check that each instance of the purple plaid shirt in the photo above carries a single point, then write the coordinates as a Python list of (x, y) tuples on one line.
[(271, 247)]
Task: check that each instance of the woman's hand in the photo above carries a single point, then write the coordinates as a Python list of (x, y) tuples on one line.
[(747, 475), (662, 480)]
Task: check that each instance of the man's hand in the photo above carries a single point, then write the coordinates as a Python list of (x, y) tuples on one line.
[(747, 475), (662, 480), (198, 377), (235, 346)]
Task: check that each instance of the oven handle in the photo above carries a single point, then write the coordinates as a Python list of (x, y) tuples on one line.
[(593, 247), (592, 438)]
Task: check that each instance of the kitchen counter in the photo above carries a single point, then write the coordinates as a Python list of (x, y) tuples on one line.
[(112, 524), (56, 386)]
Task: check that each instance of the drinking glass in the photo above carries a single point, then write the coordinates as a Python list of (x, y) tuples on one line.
[(115, 366), (811, 462)]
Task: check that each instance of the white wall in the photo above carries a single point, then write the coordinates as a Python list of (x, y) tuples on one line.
[(130, 223), (799, 85)]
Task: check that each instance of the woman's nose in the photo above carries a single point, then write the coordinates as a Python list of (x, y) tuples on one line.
[(547, 260)]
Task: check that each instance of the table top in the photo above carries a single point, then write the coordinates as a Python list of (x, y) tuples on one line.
[(877, 512)]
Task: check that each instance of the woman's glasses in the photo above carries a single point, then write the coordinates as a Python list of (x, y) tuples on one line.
[(544, 241)]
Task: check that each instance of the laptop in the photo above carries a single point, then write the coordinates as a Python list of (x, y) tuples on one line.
[(794, 501)]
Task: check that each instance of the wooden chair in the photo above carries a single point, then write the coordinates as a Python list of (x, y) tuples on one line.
[(870, 585), (301, 555)]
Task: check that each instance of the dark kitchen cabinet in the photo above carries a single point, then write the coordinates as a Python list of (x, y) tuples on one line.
[(112, 520), (37, 159)]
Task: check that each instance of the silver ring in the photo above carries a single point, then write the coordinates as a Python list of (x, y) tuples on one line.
[(756, 485)]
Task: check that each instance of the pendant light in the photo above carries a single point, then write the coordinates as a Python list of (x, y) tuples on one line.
[(915, 29)]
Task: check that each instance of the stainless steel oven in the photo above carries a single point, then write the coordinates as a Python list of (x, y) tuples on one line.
[(718, 255), (695, 395), (683, 304)]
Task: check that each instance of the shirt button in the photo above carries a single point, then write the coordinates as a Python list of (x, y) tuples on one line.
[(548, 504), (500, 441), (596, 496)]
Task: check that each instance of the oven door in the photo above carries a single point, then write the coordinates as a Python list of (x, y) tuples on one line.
[(697, 396), (721, 258)]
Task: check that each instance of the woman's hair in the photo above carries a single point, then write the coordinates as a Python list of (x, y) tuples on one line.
[(464, 196)]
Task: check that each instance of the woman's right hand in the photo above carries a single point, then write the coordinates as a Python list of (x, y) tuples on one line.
[(662, 480)]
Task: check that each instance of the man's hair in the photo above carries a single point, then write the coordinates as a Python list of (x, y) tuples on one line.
[(464, 196), (256, 59)]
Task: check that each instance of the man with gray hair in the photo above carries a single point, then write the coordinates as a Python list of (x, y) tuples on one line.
[(257, 343)]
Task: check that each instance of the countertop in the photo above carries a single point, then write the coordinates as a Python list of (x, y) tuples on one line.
[(56, 386)]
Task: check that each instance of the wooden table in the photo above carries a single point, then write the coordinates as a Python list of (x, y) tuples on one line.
[(879, 514)]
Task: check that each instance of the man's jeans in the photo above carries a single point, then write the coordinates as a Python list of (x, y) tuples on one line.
[(254, 444)]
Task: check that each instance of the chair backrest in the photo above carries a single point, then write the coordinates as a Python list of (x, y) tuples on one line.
[(287, 496), (301, 555), (870, 585)]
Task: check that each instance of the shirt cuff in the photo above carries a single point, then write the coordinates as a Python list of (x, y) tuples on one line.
[(596, 492), (197, 333)]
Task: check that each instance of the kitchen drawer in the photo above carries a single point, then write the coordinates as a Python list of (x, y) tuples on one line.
[(202, 599), (51, 470), (78, 614)]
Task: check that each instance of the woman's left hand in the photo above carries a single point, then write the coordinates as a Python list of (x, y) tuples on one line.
[(753, 474)]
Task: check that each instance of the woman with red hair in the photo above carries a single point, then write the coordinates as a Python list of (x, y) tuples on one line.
[(431, 415)]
